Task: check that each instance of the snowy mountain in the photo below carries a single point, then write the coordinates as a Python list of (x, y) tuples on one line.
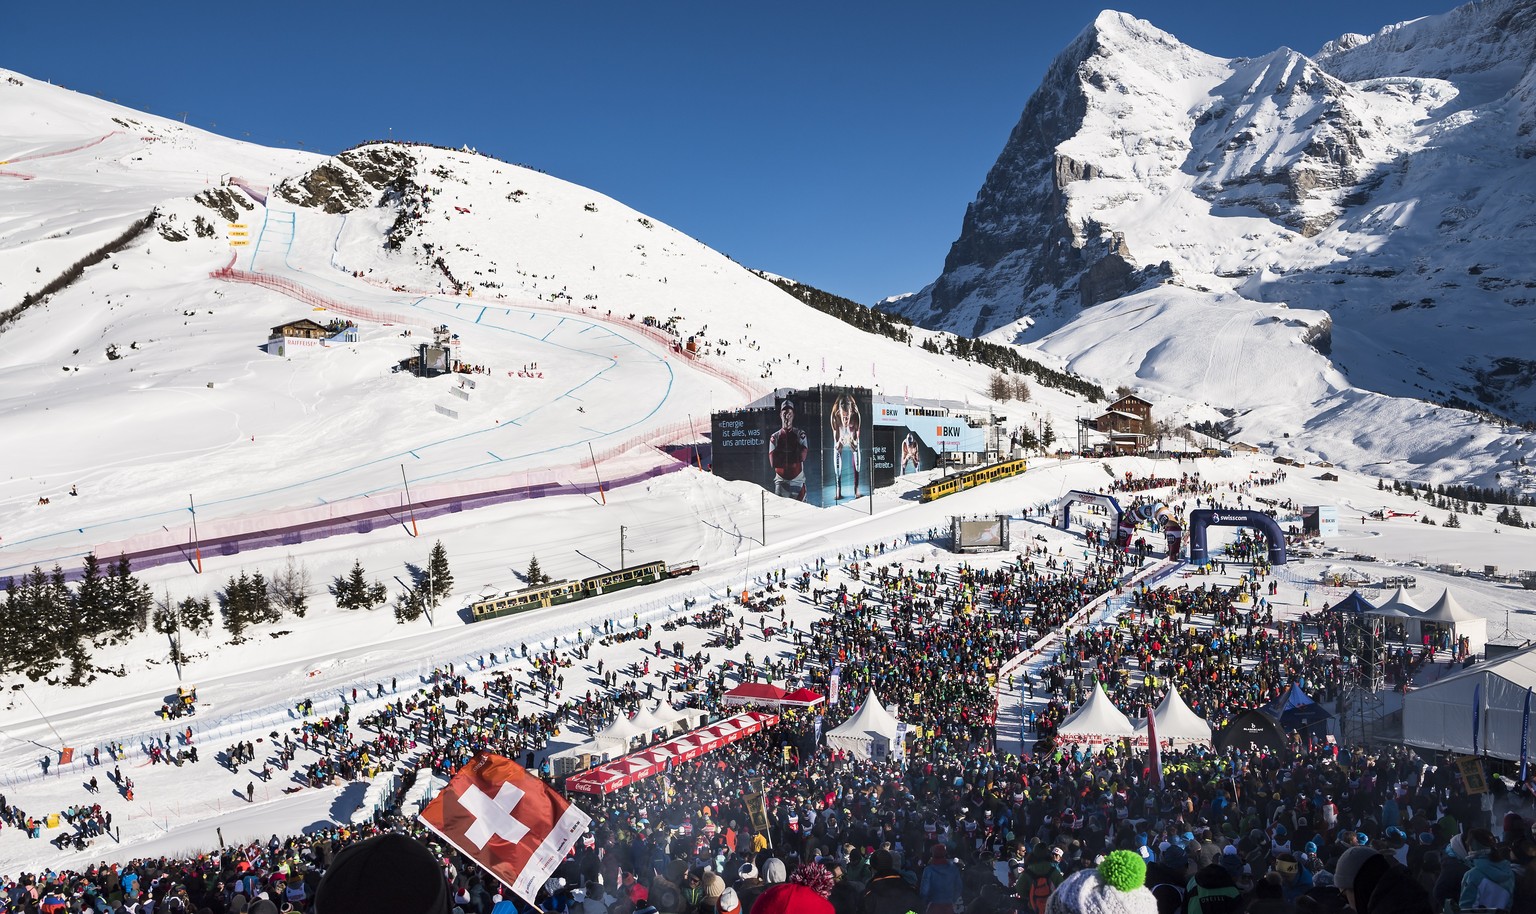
[(1351, 228)]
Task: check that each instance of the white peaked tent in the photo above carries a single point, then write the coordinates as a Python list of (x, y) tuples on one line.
[(1447, 613), (1097, 721), (617, 736), (661, 717), (869, 734), (1176, 723), (1400, 606), (1399, 600), (1487, 700)]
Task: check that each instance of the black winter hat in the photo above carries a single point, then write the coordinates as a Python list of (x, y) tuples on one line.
[(390, 872)]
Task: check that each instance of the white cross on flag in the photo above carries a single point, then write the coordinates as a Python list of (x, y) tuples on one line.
[(513, 824)]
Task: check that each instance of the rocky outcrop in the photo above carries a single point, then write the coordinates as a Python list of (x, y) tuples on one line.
[(331, 186)]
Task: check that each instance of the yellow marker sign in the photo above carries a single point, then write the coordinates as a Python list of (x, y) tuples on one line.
[(239, 244), (237, 225), (239, 234)]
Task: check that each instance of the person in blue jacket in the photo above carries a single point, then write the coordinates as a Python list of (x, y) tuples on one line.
[(939, 887)]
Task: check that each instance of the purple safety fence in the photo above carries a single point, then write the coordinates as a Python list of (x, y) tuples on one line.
[(366, 521)]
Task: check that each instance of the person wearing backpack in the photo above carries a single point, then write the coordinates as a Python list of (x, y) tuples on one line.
[(1040, 878), (1212, 890)]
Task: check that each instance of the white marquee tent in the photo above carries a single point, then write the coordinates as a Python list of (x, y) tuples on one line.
[(1097, 721), (1176, 723), (1447, 613), (617, 736), (871, 733), (1442, 715), (662, 717)]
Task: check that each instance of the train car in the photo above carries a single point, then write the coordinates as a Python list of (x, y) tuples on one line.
[(949, 485), (565, 591), (537, 597), (649, 573)]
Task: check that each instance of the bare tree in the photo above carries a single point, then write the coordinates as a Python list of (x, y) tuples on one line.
[(292, 587), (998, 386)]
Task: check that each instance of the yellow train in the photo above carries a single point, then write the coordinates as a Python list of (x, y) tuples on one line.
[(969, 479), (550, 594)]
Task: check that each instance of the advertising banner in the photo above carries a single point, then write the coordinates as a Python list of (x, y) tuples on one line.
[(846, 435), (899, 451)]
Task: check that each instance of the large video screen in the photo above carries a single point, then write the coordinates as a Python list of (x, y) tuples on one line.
[(981, 534)]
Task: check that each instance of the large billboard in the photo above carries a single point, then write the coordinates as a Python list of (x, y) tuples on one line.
[(847, 432), (899, 451), (933, 429), (811, 445), (979, 534)]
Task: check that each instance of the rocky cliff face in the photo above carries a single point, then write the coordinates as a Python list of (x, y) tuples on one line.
[(1385, 181)]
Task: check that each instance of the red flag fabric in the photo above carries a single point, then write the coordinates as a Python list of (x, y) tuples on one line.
[(513, 824)]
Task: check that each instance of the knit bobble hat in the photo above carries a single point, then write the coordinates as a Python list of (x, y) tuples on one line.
[(1115, 887)]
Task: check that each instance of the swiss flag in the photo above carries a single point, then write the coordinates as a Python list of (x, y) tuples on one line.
[(513, 824)]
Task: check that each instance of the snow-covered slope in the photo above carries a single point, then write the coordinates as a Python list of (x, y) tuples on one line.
[(145, 382), (1381, 190)]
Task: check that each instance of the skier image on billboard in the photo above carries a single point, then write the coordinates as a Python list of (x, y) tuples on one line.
[(911, 456), (844, 417), (787, 450)]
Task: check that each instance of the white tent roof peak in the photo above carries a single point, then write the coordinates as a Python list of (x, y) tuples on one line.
[(1097, 717), (1175, 721), (621, 731), (871, 716), (647, 720), (1446, 609), (1400, 600)]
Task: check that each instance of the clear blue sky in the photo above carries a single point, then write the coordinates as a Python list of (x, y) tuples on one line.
[(833, 142)]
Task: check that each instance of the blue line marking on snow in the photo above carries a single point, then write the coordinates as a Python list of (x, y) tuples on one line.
[(342, 472)]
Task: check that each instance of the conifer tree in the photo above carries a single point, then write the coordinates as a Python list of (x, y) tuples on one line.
[(409, 605), (196, 614), (237, 608), (355, 592), (263, 608), (91, 598), (439, 577)]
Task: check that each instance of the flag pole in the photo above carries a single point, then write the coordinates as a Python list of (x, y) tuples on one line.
[(197, 545), (409, 506), (595, 473)]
